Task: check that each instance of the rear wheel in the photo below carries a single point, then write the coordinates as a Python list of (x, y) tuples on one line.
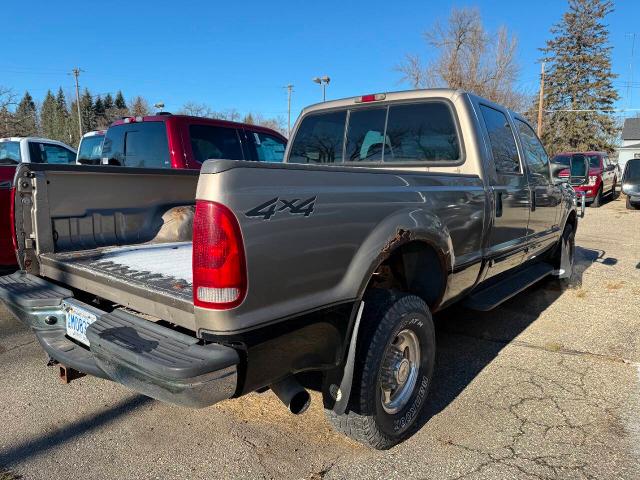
[(395, 358), (630, 205), (614, 191)]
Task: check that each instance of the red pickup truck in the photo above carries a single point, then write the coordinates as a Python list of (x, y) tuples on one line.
[(181, 141), (604, 175)]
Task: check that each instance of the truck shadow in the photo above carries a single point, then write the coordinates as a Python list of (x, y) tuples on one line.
[(468, 341)]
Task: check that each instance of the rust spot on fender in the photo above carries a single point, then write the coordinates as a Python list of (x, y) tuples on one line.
[(401, 236)]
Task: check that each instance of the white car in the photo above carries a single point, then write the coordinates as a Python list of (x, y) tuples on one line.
[(90, 148), (14, 150)]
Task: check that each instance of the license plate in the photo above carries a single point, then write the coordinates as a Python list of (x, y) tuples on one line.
[(78, 320)]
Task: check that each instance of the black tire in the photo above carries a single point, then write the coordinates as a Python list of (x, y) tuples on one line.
[(631, 206), (386, 315), (614, 191), (597, 200)]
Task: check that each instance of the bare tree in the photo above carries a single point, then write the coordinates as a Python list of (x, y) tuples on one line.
[(7, 118), (197, 110), (468, 57)]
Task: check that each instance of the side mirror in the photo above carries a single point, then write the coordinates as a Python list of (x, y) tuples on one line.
[(579, 170)]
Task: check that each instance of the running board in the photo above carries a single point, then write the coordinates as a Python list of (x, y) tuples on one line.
[(490, 297)]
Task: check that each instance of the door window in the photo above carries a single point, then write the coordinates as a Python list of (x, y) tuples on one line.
[(502, 141), (49, 153), (534, 153), (211, 142), (268, 148)]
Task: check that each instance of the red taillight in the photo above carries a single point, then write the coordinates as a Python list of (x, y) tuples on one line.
[(219, 269), (12, 218)]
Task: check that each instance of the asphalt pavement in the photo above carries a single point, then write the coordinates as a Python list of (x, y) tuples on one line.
[(545, 386)]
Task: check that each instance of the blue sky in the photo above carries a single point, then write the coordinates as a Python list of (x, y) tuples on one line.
[(241, 54)]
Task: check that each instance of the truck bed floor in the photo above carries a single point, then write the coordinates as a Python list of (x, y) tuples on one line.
[(160, 272)]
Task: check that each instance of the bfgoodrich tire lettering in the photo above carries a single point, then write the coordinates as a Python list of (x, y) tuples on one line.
[(386, 315)]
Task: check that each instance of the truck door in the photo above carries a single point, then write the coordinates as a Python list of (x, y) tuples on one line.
[(511, 196), (545, 196)]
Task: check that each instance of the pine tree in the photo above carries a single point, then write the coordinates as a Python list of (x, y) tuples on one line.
[(26, 116), (119, 102), (579, 77), (87, 112), (62, 124), (99, 113), (108, 102), (248, 118), (48, 116), (139, 107)]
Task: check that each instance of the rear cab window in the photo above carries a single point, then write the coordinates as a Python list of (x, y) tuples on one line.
[(419, 132), (9, 153), (139, 144), (214, 142), (90, 151)]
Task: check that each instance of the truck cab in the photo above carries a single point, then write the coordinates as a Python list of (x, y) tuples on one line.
[(185, 142)]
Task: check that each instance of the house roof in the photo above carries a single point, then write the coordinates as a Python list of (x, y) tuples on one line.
[(631, 147), (631, 129)]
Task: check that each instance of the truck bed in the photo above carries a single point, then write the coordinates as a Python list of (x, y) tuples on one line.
[(132, 275)]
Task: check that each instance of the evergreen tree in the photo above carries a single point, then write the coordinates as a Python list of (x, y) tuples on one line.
[(108, 102), (87, 111), (139, 107), (119, 102), (579, 77), (99, 113), (26, 116), (48, 115), (62, 124), (248, 118)]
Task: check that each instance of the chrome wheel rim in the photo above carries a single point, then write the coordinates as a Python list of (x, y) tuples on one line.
[(400, 369)]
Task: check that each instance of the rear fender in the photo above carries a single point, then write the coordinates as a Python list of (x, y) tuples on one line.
[(402, 227)]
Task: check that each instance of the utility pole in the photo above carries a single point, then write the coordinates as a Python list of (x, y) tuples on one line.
[(76, 73), (289, 91), (541, 100)]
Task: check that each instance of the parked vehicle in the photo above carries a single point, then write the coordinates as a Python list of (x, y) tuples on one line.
[(90, 148), (180, 141), (603, 176), (631, 183), (195, 287), (14, 150)]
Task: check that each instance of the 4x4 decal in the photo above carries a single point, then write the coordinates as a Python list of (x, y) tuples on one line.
[(296, 206)]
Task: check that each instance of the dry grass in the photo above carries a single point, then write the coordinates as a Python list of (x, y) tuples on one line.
[(615, 285), (581, 293), (8, 475)]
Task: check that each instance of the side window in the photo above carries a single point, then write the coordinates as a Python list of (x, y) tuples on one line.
[(423, 132), (319, 138), (211, 142), (534, 153), (268, 148), (365, 135), (503, 143), (56, 154)]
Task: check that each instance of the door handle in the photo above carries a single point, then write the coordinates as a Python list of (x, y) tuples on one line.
[(498, 204)]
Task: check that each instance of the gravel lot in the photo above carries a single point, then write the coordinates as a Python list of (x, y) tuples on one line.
[(546, 386)]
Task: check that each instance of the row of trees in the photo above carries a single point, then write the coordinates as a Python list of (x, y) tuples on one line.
[(57, 118), (579, 93)]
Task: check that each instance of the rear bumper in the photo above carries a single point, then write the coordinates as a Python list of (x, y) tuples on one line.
[(149, 358)]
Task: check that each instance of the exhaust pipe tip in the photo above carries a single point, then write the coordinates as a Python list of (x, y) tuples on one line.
[(292, 394)]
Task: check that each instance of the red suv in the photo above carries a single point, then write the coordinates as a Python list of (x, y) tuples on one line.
[(180, 141), (603, 175)]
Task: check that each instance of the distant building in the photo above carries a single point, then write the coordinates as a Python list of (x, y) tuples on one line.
[(630, 141)]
